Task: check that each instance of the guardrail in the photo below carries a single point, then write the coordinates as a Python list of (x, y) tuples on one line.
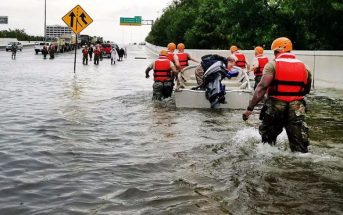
[(326, 66)]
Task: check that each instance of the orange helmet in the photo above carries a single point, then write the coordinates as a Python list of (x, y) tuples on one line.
[(233, 48), (259, 50), (282, 44), (180, 46), (171, 46), (164, 52)]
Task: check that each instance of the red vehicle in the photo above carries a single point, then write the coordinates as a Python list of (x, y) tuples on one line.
[(106, 50)]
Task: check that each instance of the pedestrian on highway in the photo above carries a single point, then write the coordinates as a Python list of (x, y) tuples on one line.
[(163, 76), (286, 80), (52, 51), (90, 52), (240, 58), (14, 51), (97, 54), (258, 64), (85, 55), (113, 55), (121, 54), (45, 51)]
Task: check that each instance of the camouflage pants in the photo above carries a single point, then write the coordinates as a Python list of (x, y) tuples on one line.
[(162, 90), (276, 114)]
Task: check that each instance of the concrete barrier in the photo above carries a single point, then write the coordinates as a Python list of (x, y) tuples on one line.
[(24, 43), (326, 66)]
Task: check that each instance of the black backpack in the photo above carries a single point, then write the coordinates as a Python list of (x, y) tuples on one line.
[(210, 59)]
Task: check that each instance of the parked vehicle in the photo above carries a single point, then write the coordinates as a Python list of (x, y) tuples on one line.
[(18, 44)]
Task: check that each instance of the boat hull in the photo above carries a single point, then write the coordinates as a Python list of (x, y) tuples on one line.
[(235, 99)]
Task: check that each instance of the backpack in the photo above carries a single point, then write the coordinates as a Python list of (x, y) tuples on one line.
[(210, 59)]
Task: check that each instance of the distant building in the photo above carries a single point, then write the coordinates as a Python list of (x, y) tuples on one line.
[(53, 31)]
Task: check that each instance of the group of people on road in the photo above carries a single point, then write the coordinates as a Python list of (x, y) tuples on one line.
[(98, 54), (282, 83)]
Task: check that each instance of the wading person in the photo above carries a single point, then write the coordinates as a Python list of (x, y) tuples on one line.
[(14, 51), (240, 58), (97, 54), (183, 59), (113, 55), (163, 76), (258, 64), (90, 52), (44, 51), (287, 80), (85, 55)]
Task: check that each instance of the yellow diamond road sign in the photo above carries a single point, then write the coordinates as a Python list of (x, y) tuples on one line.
[(77, 19)]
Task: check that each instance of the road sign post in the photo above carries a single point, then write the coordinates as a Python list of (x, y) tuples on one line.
[(77, 19)]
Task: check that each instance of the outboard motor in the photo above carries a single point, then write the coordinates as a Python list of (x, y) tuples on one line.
[(214, 90)]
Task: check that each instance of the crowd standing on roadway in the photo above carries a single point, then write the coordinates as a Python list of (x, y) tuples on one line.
[(286, 80)]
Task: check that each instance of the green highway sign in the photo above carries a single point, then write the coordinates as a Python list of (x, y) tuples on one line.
[(135, 21), (3, 19)]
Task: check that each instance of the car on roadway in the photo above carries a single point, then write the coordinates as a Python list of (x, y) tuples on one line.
[(106, 49), (18, 44)]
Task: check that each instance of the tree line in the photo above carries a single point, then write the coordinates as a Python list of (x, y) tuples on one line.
[(20, 35), (217, 24)]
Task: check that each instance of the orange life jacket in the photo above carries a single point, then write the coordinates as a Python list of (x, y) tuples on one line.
[(171, 56), (290, 78), (183, 59), (262, 61), (162, 70), (240, 60)]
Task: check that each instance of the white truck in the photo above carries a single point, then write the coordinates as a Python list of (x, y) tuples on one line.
[(39, 46)]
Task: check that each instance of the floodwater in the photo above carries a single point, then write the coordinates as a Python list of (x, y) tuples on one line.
[(95, 143)]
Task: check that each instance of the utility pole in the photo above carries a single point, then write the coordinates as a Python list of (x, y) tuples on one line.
[(44, 20)]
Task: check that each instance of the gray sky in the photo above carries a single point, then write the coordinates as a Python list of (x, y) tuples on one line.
[(29, 15)]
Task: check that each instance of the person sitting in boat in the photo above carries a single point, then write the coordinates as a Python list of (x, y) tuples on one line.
[(232, 71), (164, 71), (240, 58)]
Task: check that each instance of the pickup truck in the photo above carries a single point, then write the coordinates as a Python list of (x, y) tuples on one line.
[(39, 46), (18, 44)]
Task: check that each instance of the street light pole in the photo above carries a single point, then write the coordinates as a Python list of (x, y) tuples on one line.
[(44, 20)]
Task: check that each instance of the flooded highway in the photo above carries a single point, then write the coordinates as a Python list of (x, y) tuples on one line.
[(95, 143)]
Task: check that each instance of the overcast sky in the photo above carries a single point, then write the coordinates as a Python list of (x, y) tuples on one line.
[(29, 15)]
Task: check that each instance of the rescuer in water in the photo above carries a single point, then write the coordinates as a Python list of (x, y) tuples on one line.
[(258, 64), (164, 71), (286, 80)]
